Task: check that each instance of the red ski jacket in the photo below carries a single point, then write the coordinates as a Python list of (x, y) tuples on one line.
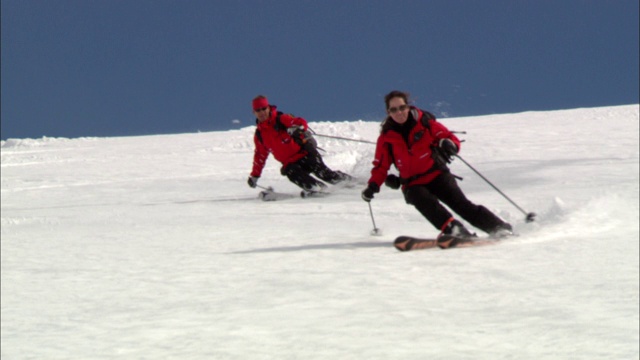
[(409, 148), (271, 137)]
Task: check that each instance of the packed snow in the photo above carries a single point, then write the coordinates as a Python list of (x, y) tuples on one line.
[(154, 247)]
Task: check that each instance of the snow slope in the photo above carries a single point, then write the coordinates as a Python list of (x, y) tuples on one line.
[(154, 247)]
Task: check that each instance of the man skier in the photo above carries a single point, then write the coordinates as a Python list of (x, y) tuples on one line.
[(286, 137)]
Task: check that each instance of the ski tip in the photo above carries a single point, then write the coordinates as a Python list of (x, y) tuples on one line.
[(403, 243), (266, 196), (274, 196)]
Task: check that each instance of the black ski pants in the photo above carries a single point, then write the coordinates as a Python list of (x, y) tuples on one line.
[(427, 199), (300, 172)]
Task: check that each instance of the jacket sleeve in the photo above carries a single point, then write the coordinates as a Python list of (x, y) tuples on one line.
[(439, 131), (381, 162), (289, 121), (260, 155)]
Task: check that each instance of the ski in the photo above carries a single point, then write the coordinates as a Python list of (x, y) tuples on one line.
[(409, 243), (270, 195), (312, 194)]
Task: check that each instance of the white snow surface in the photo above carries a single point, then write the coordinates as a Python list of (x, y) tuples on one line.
[(154, 247)]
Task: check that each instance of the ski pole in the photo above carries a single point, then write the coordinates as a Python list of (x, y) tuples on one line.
[(375, 230), (344, 138), (529, 216), (362, 141)]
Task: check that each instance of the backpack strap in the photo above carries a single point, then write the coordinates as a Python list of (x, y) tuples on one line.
[(279, 126), (258, 135), (426, 119)]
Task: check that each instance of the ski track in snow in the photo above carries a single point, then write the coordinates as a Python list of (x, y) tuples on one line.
[(154, 247)]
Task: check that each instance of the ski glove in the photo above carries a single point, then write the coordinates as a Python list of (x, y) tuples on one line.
[(295, 129), (448, 146), (252, 181), (393, 181), (367, 194)]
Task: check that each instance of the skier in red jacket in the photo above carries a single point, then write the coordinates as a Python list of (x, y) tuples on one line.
[(286, 137), (420, 148)]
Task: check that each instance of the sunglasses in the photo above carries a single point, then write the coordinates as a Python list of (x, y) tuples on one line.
[(261, 109), (393, 110)]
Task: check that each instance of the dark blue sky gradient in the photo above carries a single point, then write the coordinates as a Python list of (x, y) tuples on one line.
[(74, 68)]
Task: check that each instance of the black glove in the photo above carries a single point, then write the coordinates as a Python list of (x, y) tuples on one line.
[(393, 182), (367, 194), (296, 129), (449, 147), (252, 181)]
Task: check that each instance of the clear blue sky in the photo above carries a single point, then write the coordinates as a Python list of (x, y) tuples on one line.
[(74, 68)]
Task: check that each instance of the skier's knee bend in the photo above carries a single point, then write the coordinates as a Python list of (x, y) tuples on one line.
[(418, 195), (290, 169), (410, 195), (299, 176)]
